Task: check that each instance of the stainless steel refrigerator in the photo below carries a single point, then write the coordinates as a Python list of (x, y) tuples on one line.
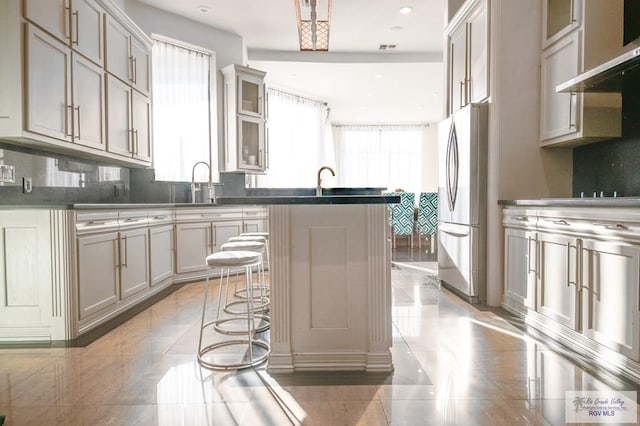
[(462, 198)]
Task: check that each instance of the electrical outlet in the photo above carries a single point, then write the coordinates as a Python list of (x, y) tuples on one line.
[(7, 173), (26, 185)]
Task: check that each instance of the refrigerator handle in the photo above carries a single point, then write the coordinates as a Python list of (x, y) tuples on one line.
[(452, 167)]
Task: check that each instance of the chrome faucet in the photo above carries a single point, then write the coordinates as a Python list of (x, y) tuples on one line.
[(193, 182), (319, 185)]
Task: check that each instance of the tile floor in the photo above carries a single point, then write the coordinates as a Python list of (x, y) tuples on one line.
[(454, 365)]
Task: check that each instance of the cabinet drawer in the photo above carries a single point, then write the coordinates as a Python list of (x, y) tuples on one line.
[(520, 219), (208, 215)]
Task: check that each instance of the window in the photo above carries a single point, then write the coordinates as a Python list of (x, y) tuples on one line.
[(299, 141), (183, 114), (380, 156)]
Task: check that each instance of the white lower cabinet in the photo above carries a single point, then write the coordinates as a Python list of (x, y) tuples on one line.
[(98, 281), (25, 275), (195, 241), (557, 285), (575, 275), (161, 253), (65, 272), (255, 220), (193, 244), (610, 283), (520, 267), (134, 261)]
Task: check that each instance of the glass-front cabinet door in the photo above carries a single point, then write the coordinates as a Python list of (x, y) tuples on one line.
[(245, 113), (250, 90), (251, 143), (560, 17)]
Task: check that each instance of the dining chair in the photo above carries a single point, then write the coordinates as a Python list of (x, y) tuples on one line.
[(427, 224), (402, 217)]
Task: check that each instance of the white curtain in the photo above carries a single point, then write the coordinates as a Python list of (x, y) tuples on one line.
[(299, 141), (181, 111), (380, 156)]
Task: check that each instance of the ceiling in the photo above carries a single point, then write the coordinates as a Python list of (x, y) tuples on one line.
[(361, 83)]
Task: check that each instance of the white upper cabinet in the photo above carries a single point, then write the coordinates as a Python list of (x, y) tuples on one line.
[(88, 103), (559, 17), (50, 15), (76, 23), (578, 35), (48, 86), (56, 51), (87, 29), (128, 58), (558, 111), (244, 119), (468, 55)]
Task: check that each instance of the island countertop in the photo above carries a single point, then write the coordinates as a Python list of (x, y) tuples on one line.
[(325, 199)]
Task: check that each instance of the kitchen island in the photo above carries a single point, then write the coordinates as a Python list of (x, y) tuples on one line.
[(330, 282)]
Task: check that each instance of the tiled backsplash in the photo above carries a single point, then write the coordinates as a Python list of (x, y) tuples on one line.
[(66, 180), (61, 179), (612, 165)]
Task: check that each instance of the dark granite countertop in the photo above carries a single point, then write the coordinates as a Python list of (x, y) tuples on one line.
[(326, 199), (574, 202)]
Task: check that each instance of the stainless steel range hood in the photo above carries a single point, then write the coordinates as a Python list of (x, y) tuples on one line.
[(621, 72)]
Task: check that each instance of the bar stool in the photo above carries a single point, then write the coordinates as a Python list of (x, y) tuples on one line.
[(253, 238), (263, 305), (266, 237), (227, 261)]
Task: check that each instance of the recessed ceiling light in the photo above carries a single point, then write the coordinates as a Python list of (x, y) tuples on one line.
[(395, 28), (406, 9), (378, 75), (203, 8), (293, 75)]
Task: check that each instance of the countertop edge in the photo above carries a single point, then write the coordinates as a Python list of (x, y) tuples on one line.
[(574, 202)]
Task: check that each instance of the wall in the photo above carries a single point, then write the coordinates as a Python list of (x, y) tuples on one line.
[(430, 160), (229, 47), (518, 168)]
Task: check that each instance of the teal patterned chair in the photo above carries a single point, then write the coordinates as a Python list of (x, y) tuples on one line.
[(427, 224), (402, 218)]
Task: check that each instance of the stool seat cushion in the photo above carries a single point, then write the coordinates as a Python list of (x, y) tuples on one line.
[(255, 234), (257, 238), (243, 245), (233, 258)]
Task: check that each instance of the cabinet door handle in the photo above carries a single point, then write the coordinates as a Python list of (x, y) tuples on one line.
[(461, 91), (66, 115), (135, 144), (126, 252), (77, 15), (529, 239), (134, 67), (78, 112), (572, 12), (610, 226), (213, 236), (571, 123), (569, 282), (130, 76), (67, 23), (467, 86), (130, 141), (560, 222), (521, 218)]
